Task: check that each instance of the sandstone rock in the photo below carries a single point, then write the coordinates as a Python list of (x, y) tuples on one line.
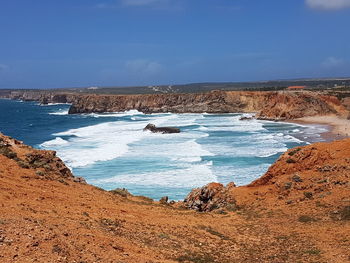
[(210, 197), (79, 179), (164, 200)]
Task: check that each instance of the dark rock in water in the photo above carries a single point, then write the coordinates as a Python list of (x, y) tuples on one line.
[(153, 128), (245, 118), (164, 200)]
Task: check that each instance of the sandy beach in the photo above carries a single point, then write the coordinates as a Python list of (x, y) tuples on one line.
[(339, 127)]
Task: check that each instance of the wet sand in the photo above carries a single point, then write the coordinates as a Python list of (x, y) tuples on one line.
[(339, 128)]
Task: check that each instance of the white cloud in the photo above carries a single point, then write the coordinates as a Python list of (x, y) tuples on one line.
[(332, 62), (328, 4), (143, 67)]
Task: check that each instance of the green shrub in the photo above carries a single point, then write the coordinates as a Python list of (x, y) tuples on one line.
[(308, 195), (294, 151), (345, 213), (306, 219), (121, 191), (290, 160), (8, 153)]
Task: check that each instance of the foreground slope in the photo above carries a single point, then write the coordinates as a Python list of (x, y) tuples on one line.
[(297, 212)]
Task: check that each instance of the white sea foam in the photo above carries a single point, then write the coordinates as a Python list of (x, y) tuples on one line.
[(55, 142), (101, 142), (173, 160), (202, 128), (240, 174), (231, 124), (60, 112), (116, 114), (53, 104), (192, 176)]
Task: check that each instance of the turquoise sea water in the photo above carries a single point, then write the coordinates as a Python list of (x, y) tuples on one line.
[(112, 150)]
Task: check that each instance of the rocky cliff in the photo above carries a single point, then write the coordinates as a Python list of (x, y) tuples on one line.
[(319, 172), (282, 105), (267, 105), (41, 96)]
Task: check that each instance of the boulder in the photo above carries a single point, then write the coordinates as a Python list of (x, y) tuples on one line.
[(151, 127), (244, 118), (211, 197), (164, 200)]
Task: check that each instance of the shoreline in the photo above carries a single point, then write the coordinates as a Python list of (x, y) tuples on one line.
[(338, 128)]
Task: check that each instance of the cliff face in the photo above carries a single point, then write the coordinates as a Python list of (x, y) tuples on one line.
[(268, 105), (43, 97), (282, 105), (211, 102), (291, 105), (48, 215)]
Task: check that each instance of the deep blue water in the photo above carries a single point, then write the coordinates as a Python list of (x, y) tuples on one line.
[(111, 150)]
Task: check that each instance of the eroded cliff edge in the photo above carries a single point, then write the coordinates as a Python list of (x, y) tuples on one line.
[(268, 105), (281, 105), (299, 211)]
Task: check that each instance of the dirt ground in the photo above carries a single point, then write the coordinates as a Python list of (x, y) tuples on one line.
[(47, 216)]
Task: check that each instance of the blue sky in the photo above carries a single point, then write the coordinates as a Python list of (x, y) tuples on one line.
[(70, 43)]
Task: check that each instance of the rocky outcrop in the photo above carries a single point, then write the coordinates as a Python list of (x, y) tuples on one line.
[(319, 172), (312, 161), (211, 197), (151, 127), (45, 163)]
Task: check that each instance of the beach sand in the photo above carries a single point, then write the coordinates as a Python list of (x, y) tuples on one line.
[(339, 127)]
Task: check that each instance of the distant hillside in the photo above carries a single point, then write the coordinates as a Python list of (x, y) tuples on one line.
[(203, 87), (318, 84)]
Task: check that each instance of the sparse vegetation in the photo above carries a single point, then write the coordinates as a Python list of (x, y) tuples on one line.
[(294, 151), (345, 213), (163, 236), (315, 252), (121, 191), (196, 258), (113, 225), (306, 219), (144, 198), (39, 173), (23, 164), (290, 160), (6, 151), (308, 195), (213, 232)]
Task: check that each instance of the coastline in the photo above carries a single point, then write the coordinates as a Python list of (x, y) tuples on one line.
[(338, 128)]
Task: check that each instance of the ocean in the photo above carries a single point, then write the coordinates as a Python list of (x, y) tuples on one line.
[(112, 150)]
